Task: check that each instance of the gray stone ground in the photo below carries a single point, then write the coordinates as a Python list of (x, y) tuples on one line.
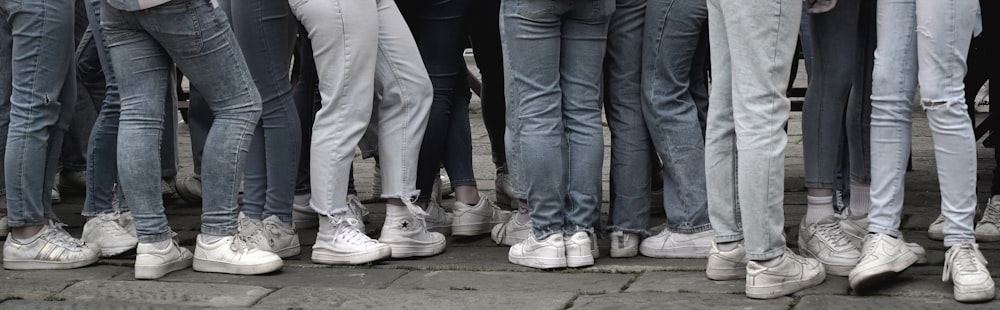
[(473, 273)]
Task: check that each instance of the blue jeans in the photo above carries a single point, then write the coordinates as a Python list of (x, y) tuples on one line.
[(142, 45), (631, 147), (266, 31), (36, 39), (441, 31), (923, 42), (553, 51), (675, 50), (102, 149), (751, 52)]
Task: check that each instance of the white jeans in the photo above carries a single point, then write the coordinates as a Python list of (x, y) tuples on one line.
[(925, 42), (364, 47)]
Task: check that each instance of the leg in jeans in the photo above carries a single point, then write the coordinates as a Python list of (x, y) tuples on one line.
[(631, 146), (674, 44), (485, 36), (265, 30), (306, 98), (198, 51)]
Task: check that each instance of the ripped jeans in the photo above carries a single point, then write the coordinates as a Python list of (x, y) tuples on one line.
[(934, 57)]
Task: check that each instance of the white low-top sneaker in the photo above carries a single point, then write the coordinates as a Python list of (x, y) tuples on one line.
[(152, 263), (303, 217), (478, 219), (667, 244), (965, 266), (234, 255), (728, 265), (281, 239), (339, 242), (545, 254), (936, 230), (52, 248), (437, 219), (624, 244), (511, 231), (826, 242), (106, 231), (406, 232), (882, 257), (856, 228), (794, 273), (988, 228), (579, 250)]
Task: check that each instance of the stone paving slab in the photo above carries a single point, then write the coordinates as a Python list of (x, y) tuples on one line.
[(336, 298), (651, 300), (696, 282), (887, 303), (514, 281), (153, 292), (907, 285), (107, 305), (31, 289)]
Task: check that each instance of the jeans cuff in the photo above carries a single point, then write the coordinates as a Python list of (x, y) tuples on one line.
[(690, 230), (542, 234), (254, 215), (463, 182), (640, 232), (284, 218), (824, 184), (883, 230), (218, 231), (572, 229), (98, 212), (769, 254), (156, 237), (410, 195), (15, 224), (729, 238)]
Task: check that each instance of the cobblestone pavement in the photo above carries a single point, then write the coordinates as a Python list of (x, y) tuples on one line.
[(473, 273)]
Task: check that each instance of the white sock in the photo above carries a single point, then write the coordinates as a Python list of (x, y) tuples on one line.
[(772, 262), (861, 199), (818, 208), (160, 245), (211, 239), (29, 239)]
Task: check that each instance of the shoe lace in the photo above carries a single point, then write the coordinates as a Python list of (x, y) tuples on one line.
[(57, 235), (347, 230), (249, 234), (965, 259), (991, 214), (833, 234), (356, 206), (414, 209)]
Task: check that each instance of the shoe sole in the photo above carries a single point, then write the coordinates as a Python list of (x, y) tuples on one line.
[(783, 289), (506, 240), (624, 253), (44, 265), (474, 229), (289, 251), (937, 236), (683, 252), (719, 274), (987, 238), (579, 261), (975, 295), (369, 256), (152, 272), (111, 252), (416, 250), (861, 280), (205, 265), (538, 262), (836, 270)]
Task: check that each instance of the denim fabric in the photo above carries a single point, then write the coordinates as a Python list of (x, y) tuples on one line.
[(37, 41), (751, 52), (553, 51), (266, 31), (631, 147), (675, 51), (385, 54), (205, 49), (859, 105), (923, 42), (834, 49), (102, 148), (484, 33), (441, 31), (89, 91), (305, 94)]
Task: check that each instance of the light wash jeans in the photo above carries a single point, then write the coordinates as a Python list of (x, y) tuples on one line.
[(142, 46), (37, 92), (751, 52), (362, 48), (102, 148), (553, 51), (631, 147), (673, 101), (923, 42), (827, 107), (265, 30)]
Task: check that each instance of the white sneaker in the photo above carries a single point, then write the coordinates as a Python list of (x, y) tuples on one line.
[(936, 230), (127, 221), (234, 255), (406, 232), (438, 220), (512, 231), (478, 219), (826, 242), (444, 185), (667, 244), (730, 265), (52, 248), (965, 266), (504, 188), (106, 232), (152, 263), (359, 210), (339, 241), (988, 228), (624, 244), (579, 250), (303, 216), (794, 273), (190, 189), (274, 237), (4, 228), (856, 228), (882, 257), (544, 254)]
